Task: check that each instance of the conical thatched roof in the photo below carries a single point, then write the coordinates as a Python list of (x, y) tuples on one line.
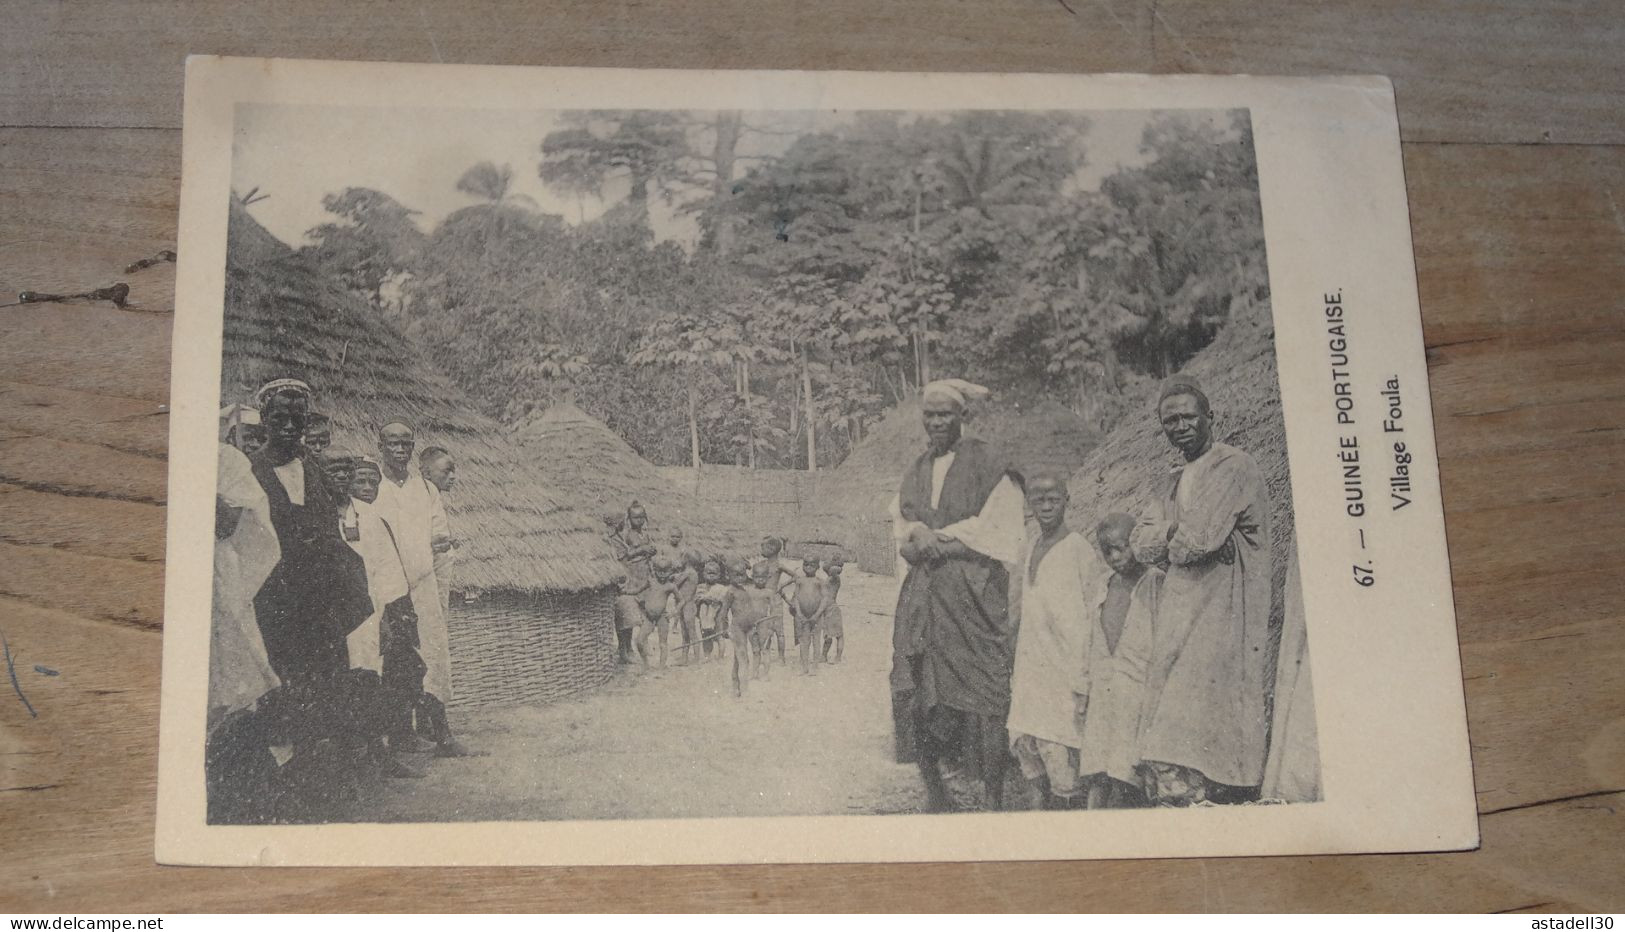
[(577, 451), (285, 319)]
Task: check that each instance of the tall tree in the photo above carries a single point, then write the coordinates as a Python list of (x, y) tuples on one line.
[(685, 343), (375, 242), (646, 148), (1192, 243)]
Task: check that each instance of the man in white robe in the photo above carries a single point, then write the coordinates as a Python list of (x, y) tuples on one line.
[(408, 503), (440, 468), (239, 766)]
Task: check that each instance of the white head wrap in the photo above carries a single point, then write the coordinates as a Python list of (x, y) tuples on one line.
[(233, 415), (278, 387), (958, 391)]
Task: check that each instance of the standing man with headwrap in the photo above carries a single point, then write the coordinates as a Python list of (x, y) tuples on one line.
[(1203, 726), (317, 593), (957, 519)]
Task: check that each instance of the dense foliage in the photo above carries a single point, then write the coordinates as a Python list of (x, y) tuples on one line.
[(833, 272)]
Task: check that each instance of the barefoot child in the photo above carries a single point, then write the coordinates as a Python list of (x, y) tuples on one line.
[(746, 608), (652, 600), (713, 626), (783, 576), (1124, 610), (687, 578), (834, 628), (808, 599)]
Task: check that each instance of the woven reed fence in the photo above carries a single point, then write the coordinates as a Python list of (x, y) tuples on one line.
[(794, 505), (509, 648), (864, 539)]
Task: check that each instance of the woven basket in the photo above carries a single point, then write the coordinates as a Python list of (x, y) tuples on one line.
[(509, 648)]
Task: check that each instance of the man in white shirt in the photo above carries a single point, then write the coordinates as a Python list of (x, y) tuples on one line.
[(409, 503)]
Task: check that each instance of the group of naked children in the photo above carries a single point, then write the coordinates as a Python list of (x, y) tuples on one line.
[(711, 600)]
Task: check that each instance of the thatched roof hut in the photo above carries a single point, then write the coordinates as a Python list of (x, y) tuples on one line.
[(534, 577), (284, 319), (577, 451)]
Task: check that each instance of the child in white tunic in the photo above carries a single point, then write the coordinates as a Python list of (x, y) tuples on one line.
[(1058, 570), (1110, 699)]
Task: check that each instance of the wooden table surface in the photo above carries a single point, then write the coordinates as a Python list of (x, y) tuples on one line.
[(1513, 117)]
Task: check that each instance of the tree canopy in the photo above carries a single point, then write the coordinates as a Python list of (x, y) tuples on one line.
[(832, 274)]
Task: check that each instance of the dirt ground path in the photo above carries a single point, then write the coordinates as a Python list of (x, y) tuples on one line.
[(677, 744)]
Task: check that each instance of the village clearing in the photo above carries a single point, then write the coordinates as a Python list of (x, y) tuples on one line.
[(677, 744)]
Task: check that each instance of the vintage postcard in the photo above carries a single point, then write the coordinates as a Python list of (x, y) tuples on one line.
[(581, 466)]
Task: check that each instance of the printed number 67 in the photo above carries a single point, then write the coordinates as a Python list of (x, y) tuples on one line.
[(1363, 575)]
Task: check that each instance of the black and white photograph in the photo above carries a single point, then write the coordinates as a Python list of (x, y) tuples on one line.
[(601, 464)]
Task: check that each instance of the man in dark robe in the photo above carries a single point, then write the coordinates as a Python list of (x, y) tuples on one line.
[(317, 594), (958, 522)]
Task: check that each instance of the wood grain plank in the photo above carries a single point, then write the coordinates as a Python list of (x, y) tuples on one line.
[(126, 425), (68, 468), (1463, 70), (1571, 739), (126, 70), (1493, 71), (94, 526), (123, 592), (90, 205)]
